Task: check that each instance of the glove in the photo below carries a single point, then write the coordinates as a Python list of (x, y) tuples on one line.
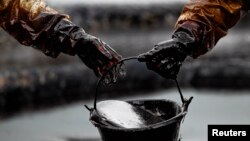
[(166, 57), (100, 57), (95, 53)]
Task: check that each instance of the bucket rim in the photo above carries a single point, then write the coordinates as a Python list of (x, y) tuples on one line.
[(176, 118)]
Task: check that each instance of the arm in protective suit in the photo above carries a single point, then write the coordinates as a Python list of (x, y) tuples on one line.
[(33, 23), (200, 26)]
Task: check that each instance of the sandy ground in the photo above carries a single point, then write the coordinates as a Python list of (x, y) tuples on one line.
[(70, 123)]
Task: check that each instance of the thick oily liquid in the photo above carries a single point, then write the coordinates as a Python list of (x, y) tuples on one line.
[(125, 115)]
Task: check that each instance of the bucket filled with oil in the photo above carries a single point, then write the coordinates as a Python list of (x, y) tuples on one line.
[(139, 120)]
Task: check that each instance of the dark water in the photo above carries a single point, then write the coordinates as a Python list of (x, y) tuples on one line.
[(71, 122)]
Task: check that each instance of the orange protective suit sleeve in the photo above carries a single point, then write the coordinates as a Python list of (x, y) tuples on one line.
[(30, 22), (209, 20)]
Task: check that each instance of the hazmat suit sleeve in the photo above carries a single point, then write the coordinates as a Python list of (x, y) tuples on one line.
[(31, 23), (209, 20)]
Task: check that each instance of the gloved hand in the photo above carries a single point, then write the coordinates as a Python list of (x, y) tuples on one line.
[(166, 57), (100, 57), (95, 53)]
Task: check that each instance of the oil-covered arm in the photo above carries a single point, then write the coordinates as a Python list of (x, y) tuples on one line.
[(33, 23), (200, 26), (208, 21)]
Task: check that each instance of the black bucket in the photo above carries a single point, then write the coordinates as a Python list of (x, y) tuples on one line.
[(167, 130)]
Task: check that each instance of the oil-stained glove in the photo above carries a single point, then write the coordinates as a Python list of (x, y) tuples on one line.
[(100, 57), (95, 53), (166, 57)]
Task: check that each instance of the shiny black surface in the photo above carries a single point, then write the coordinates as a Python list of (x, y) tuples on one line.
[(126, 115)]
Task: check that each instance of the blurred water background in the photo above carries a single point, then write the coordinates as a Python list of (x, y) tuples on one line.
[(42, 98)]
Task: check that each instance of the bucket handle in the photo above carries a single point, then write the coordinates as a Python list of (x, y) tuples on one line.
[(185, 102)]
